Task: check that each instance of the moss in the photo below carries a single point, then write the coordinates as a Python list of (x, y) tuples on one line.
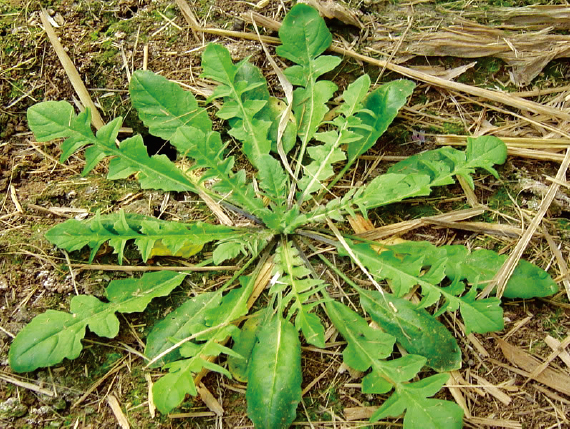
[(453, 128)]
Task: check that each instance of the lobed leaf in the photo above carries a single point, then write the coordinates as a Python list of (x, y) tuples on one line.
[(405, 266), (444, 163), (421, 410), (416, 330), (291, 271), (480, 266), (148, 233), (304, 37), (55, 119), (366, 347), (380, 108), (170, 390), (246, 127), (207, 151), (55, 335)]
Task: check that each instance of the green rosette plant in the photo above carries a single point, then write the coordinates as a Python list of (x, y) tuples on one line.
[(295, 154)]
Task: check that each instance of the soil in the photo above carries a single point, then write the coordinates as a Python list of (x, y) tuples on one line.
[(105, 40)]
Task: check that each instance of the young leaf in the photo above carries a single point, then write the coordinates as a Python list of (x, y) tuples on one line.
[(272, 180), (274, 378), (324, 156), (290, 270), (55, 335), (164, 106), (380, 109), (304, 37)]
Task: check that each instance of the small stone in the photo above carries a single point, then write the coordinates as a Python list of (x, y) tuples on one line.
[(12, 408)]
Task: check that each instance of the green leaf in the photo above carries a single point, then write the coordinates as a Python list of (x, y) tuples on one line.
[(207, 151), (290, 270), (324, 156), (416, 330), (164, 106), (55, 335), (179, 324), (251, 131), (304, 35), (156, 172), (243, 345), (479, 267), (272, 180), (405, 266), (366, 346), (481, 316), (51, 120), (309, 107), (274, 378), (228, 250), (444, 163), (382, 106), (422, 411), (170, 390), (147, 232)]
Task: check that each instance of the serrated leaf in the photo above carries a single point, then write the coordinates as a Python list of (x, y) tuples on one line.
[(382, 106), (416, 330), (56, 119), (144, 230), (274, 377), (251, 131), (207, 151), (291, 271), (164, 106), (309, 107), (405, 265), (55, 335), (444, 163)]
